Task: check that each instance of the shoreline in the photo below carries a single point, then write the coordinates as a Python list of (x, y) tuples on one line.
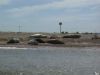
[(51, 45)]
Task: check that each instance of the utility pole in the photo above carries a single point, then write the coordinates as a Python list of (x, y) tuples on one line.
[(19, 28)]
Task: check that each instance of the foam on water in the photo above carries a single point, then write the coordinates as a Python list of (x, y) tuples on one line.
[(11, 48)]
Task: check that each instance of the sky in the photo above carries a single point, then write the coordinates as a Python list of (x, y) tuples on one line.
[(45, 15)]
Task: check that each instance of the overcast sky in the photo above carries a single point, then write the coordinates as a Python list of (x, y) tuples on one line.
[(44, 15)]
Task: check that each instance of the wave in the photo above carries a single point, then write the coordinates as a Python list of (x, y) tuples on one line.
[(12, 48)]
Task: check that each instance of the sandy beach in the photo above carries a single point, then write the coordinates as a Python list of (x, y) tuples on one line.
[(85, 40)]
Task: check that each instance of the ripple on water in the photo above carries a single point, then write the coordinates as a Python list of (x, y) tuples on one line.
[(49, 61)]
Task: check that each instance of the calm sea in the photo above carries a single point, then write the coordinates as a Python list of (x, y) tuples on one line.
[(49, 61)]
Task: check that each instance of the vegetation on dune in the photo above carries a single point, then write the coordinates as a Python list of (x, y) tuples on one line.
[(13, 40), (72, 36), (40, 40), (55, 41), (59, 38)]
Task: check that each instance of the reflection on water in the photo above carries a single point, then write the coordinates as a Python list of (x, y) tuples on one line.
[(49, 61)]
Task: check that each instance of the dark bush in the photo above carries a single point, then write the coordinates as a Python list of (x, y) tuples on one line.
[(40, 40), (13, 40), (54, 41), (96, 37), (77, 32), (72, 36), (66, 32), (62, 32)]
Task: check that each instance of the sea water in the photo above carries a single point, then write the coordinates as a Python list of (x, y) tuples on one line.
[(49, 61)]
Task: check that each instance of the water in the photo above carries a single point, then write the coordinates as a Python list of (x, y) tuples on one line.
[(49, 61)]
